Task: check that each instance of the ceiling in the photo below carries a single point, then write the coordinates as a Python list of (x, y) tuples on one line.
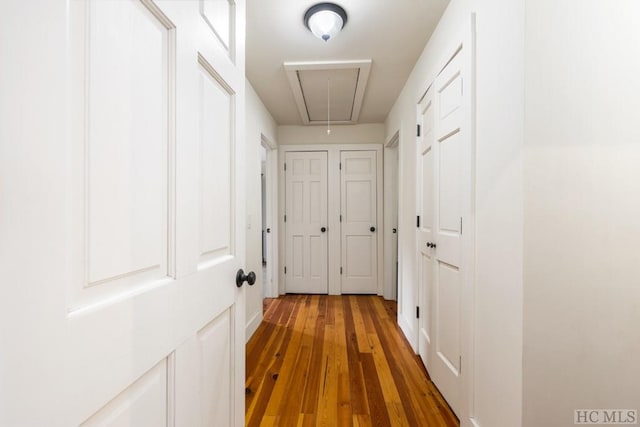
[(390, 33)]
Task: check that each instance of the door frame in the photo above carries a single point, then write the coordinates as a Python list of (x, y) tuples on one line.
[(270, 281), (391, 215), (333, 210)]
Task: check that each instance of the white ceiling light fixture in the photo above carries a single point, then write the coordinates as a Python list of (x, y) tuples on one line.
[(325, 20)]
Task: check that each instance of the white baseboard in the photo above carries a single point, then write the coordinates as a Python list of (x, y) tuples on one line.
[(252, 325), (407, 330)]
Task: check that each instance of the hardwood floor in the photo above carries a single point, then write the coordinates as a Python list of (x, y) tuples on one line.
[(337, 361)]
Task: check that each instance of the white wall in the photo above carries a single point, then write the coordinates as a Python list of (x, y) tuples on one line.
[(499, 212), (497, 358), (259, 124), (582, 209)]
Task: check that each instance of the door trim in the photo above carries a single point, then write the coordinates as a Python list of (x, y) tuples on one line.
[(270, 281), (391, 183), (333, 210)]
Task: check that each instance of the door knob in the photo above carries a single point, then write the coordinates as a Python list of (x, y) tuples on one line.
[(395, 231), (431, 245), (241, 278), (268, 230), (323, 229), (372, 229)]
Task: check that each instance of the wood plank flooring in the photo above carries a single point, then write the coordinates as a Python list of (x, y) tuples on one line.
[(320, 360)]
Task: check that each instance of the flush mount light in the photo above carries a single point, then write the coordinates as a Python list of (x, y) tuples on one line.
[(325, 20)]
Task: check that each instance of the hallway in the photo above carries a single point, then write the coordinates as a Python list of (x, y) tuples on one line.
[(337, 361)]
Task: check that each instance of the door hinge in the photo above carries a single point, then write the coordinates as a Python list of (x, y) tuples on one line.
[(417, 312), (285, 166), (418, 221), (285, 270), (340, 270), (340, 165), (340, 217), (460, 225), (460, 365), (418, 131), (285, 218)]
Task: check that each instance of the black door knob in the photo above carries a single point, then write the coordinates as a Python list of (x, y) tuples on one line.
[(268, 230), (395, 231), (323, 229), (372, 229), (241, 278)]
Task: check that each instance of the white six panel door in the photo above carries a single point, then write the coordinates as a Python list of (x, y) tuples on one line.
[(442, 199), (128, 213), (359, 228), (306, 217), (425, 235)]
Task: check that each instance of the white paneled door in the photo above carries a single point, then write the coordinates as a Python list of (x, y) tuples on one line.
[(359, 226), (425, 222), (306, 222), (122, 213), (443, 194)]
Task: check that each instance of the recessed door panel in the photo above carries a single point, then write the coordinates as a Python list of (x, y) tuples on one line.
[(126, 146), (214, 342), (216, 148), (449, 184), (219, 16), (448, 315), (142, 403)]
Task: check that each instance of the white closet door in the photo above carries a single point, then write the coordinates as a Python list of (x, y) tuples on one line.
[(425, 236), (123, 227), (306, 222), (359, 227), (451, 194)]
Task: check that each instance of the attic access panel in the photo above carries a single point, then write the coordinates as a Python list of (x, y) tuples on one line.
[(347, 80)]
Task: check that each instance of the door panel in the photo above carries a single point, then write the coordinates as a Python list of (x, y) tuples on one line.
[(441, 197), (214, 342), (448, 319), (147, 396), (216, 115), (130, 315), (359, 226), (448, 219), (306, 214), (425, 202)]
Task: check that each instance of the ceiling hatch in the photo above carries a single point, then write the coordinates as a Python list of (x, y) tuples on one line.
[(314, 83)]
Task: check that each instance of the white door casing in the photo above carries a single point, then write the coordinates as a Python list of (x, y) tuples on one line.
[(443, 199), (306, 218), (358, 225), (271, 194), (391, 205), (124, 309)]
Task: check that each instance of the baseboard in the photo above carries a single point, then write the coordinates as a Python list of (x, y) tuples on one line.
[(252, 325), (407, 330)]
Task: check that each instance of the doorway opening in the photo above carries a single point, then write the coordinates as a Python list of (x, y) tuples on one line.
[(268, 213), (391, 201)]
